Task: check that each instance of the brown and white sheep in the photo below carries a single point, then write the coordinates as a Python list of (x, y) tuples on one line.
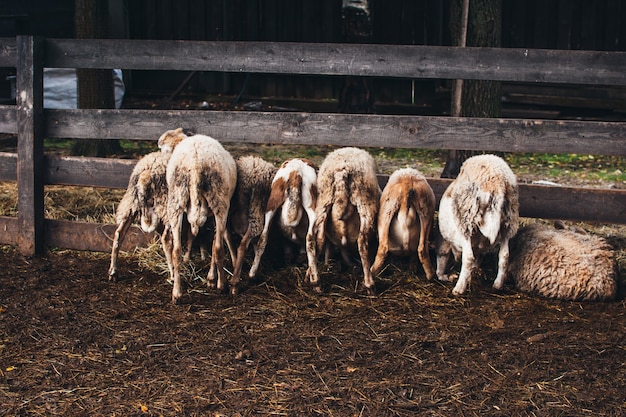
[(405, 219), (563, 264), (146, 197), (248, 206), (347, 206), (294, 196), (478, 210), (201, 179)]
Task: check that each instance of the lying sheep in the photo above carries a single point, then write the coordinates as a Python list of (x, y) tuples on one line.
[(294, 195), (405, 218), (201, 179), (563, 264), (248, 206), (146, 197), (347, 207), (478, 210)]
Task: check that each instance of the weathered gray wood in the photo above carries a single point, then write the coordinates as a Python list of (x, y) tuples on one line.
[(30, 127), (404, 61), (8, 166), (89, 172), (94, 237), (9, 231), (8, 119), (428, 132), (8, 52)]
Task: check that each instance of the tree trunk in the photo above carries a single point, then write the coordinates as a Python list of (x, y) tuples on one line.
[(95, 86), (479, 98), (356, 27)]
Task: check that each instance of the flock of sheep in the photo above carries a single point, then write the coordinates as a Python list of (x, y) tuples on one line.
[(340, 206)]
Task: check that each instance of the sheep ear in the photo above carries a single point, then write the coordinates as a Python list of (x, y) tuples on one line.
[(178, 130), (277, 195)]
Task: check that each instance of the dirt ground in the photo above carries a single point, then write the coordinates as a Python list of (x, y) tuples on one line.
[(72, 343)]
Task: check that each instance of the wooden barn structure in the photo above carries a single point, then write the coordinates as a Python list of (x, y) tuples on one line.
[(27, 119)]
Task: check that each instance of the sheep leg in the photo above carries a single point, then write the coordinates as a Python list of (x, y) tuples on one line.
[(468, 261), (217, 258), (426, 224), (383, 243), (363, 246), (176, 228), (241, 252), (312, 275), (261, 244), (120, 233), (166, 243), (503, 261)]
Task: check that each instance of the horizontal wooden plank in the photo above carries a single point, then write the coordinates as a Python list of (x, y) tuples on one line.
[(8, 119), (565, 203), (428, 132), (90, 172), (93, 237), (8, 230), (404, 61), (8, 52), (8, 166)]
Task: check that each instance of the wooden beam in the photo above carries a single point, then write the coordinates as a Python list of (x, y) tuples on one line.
[(8, 166), (9, 231), (403, 61), (30, 130), (428, 132), (95, 237), (8, 52), (8, 119), (89, 172)]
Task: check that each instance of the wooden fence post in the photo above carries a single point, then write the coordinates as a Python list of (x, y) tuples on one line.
[(30, 134)]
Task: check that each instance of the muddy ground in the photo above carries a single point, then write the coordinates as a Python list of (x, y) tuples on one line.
[(72, 343)]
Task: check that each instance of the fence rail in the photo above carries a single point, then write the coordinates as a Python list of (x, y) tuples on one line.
[(32, 169)]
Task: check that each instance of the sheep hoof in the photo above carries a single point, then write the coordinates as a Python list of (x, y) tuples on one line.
[(317, 289), (112, 277), (371, 291), (234, 290)]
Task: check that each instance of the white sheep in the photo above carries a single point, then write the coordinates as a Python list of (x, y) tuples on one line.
[(563, 264), (248, 206), (478, 210), (294, 195), (146, 197), (405, 219), (201, 179), (347, 206)]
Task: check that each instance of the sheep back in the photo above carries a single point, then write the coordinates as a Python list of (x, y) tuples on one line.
[(483, 198), (254, 182), (146, 193), (563, 264)]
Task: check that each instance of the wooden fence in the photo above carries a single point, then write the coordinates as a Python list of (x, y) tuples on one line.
[(31, 122)]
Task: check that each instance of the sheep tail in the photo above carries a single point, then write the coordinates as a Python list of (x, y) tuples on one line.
[(491, 207), (341, 198), (197, 214)]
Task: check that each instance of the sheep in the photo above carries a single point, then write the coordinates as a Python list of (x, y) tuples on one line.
[(478, 210), (146, 196), (201, 178), (405, 218), (248, 206), (294, 195), (563, 264), (347, 206)]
